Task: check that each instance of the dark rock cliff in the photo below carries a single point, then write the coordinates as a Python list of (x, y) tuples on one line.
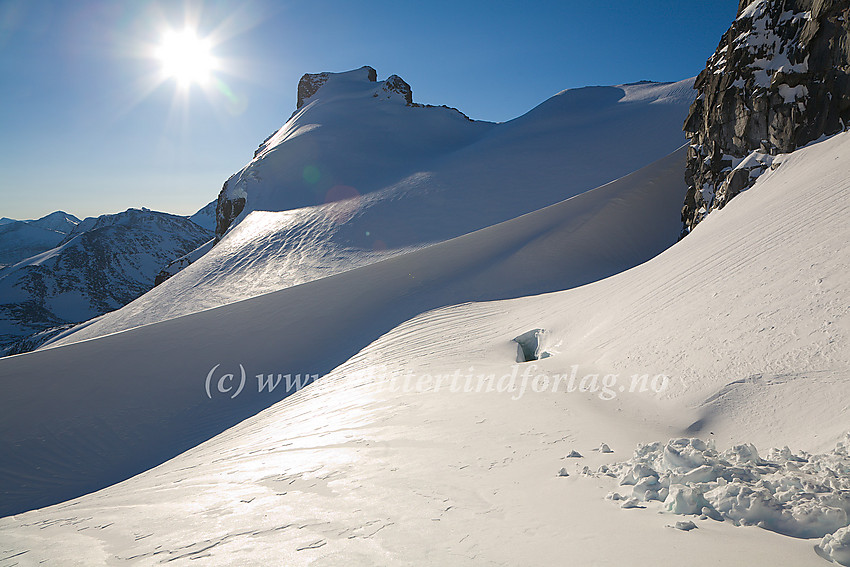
[(779, 79)]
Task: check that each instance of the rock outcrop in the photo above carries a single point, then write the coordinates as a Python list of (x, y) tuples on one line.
[(228, 207), (310, 83), (779, 79), (396, 84)]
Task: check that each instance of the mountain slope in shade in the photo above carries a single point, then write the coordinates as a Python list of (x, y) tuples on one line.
[(102, 264), (361, 467), (399, 177), (22, 239)]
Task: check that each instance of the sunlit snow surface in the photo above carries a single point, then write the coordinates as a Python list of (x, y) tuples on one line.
[(748, 316)]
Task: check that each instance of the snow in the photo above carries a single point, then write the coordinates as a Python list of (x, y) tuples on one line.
[(836, 547), (792, 94), (348, 469), (431, 175), (20, 240), (127, 459), (754, 10), (549, 248), (205, 217), (801, 495)]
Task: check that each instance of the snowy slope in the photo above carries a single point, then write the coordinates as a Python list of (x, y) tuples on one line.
[(205, 217), (22, 239), (347, 470), (416, 176), (102, 264)]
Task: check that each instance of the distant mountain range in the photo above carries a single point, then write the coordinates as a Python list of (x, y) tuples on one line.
[(62, 270)]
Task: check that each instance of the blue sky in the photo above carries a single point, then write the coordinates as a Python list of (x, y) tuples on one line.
[(86, 128)]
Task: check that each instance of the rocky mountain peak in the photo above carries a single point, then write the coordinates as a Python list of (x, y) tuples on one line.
[(779, 79)]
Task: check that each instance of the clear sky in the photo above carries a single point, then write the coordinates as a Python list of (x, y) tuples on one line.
[(90, 124)]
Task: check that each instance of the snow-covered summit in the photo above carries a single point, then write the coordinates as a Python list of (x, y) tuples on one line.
[(205, 216), (351, 83), (350, 135), (60, 221)]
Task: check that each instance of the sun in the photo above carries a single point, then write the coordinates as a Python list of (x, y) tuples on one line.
[(186, 58)]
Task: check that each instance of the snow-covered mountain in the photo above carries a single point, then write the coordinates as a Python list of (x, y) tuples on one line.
[(60, 221), (100, 265), (421, 339), (358, 175), (22, 239)]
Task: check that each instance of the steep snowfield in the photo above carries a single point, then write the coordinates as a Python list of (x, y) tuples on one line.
[(381, 462), (409, 177)]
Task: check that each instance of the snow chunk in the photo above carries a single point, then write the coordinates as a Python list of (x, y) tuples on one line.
[(683, 499), (837, 546), (792, 94), (800, 495)]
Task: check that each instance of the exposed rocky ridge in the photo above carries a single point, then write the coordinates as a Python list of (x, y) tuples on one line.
[(227, 208), (779, 79)]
